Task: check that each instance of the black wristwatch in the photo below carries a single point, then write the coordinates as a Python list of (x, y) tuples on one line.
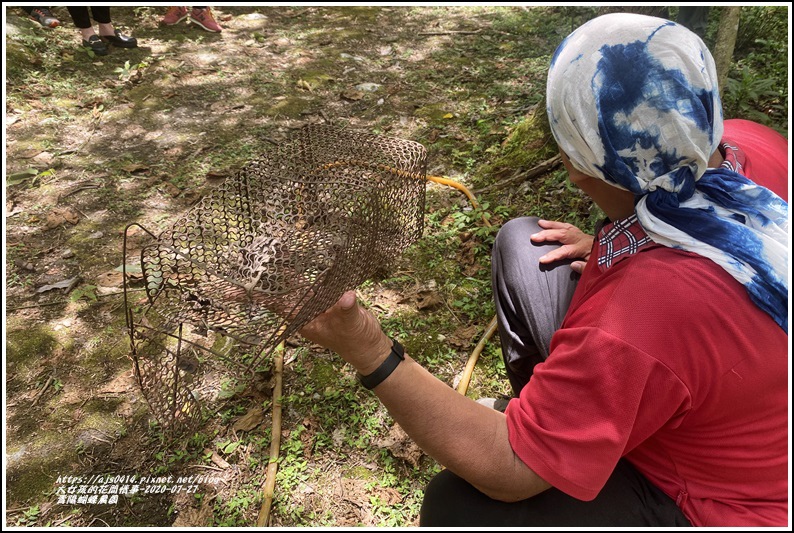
[(386, 368)]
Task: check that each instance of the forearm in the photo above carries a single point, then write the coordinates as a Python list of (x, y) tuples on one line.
[(464, 436)]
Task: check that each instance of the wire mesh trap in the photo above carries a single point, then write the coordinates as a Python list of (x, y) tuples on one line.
[(265, 253)]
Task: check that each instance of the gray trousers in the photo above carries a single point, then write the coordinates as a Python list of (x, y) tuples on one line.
[(531, 299)]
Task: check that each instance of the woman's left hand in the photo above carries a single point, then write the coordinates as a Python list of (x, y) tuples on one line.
[(576, 244)]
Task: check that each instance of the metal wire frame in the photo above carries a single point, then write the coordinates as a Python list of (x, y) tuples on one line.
[(265, 253)]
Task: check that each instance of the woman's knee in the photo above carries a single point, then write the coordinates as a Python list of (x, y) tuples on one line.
[(516, 232), (512, 243)]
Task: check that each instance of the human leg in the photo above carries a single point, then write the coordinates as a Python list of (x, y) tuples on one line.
[(80, 16), (531, 299), (101, 14), (108, 32), (627, 500), (82, 20), (694, 17)]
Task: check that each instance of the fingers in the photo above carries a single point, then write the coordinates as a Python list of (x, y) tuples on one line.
[(332, 318), (558, 254), (578, 266), (554, 231), (347, 301), (552, 224), (550, 235)]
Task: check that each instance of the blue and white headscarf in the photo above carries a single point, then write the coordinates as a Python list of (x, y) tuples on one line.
[(634, 101)]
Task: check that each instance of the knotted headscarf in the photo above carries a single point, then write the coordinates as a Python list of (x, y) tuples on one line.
[(634, 101)]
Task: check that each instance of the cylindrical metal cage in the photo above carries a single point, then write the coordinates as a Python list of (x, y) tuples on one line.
[(269, 250)]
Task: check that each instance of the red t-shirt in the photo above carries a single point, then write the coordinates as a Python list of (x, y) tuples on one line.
[(664, 359), (762, 153)]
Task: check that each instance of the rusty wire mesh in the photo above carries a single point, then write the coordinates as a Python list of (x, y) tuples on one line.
[(266, 252)]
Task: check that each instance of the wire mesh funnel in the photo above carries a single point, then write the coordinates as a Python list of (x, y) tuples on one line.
[(266, 252)]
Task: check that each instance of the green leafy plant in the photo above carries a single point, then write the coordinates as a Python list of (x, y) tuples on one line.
[(127, 71), (86, 291), (29, 516), (744, 95)]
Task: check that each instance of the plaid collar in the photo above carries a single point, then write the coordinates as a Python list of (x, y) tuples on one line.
[(620, 239), (624, 237), (734, 157)]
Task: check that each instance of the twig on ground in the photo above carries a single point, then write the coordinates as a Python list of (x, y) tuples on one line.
[(207, 467), (533, 172), (81, 187), (299, 13), (41, 391), (449, 32), (275, 439), (64, 302)]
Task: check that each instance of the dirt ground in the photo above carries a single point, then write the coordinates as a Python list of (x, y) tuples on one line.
[(141, 135)]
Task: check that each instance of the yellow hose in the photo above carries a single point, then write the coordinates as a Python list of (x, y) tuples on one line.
[(463, 385)]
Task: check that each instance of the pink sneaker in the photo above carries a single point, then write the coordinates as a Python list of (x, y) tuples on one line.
[(204, 18), (175, 15)]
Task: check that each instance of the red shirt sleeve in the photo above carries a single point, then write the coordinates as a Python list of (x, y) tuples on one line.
[(575, 420)]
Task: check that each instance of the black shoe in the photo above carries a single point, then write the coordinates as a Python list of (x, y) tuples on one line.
[(95, 44), (120, 40)]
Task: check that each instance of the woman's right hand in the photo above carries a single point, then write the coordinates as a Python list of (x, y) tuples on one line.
[(351, 331), (576, 244)]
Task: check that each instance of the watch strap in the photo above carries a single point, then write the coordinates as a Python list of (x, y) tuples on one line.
[(385, 369)]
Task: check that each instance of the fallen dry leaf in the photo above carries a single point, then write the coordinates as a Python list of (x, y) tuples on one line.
[(249, 420), (67, 284), (303, 84), (172, 189), (463, 336), (352, 95), (428, 300), (217, 459), (401, 445), (59, 215), (135, 167), (28, 154), (212, 175), (196, 518), (388, 495), (111, 278)]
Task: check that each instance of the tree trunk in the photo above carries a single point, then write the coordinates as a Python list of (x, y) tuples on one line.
[(726, 41)]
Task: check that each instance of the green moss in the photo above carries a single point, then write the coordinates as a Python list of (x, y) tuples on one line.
[(432, 113), (529, 143), (324, 374), (360, 13), (32, 481), (28, 344), (360, 472), (291, 107), (144, 97), (32, 475), (317, 76), (102, 419)]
